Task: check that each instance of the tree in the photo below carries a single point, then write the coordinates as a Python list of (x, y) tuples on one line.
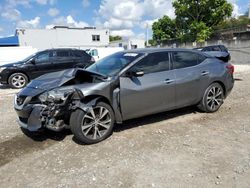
[(114, 38), (163, 29), (196, 19), (152, 42)]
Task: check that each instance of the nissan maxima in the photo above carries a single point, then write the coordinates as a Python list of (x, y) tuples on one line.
[(123, 86)]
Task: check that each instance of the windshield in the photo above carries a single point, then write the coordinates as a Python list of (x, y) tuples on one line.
[(29, 57), (113, 64)]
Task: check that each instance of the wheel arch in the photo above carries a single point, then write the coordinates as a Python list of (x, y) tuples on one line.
[(222, 85), (99, 98)]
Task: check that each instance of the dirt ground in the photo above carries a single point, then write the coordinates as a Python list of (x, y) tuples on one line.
[(181, 148)]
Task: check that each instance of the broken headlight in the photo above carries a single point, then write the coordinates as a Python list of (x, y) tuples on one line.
[(56, 95)]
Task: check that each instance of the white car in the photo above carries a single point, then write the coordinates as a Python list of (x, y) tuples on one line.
[(99, 53)]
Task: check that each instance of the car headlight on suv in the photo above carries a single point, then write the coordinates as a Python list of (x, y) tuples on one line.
[(55, 95), (2, 68)]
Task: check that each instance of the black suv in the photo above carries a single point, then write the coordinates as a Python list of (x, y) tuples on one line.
[(220, 48), (18, 74), (219, 51)]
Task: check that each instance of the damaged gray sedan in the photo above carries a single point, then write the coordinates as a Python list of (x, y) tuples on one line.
[(123, 86)]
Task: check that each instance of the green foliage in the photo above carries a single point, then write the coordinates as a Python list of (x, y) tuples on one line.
[(200, 31), (152, 42), (114, 38), (233, 22), (164, 29), (198, 17), (195, 20)]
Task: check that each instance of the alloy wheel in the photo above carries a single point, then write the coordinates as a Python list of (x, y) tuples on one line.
[(96, 122), (215, 98), (18, 81)]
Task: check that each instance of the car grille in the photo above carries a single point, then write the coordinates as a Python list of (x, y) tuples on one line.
[(20, 100)]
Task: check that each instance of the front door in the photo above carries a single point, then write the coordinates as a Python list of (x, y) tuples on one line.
[(151, 93), (42, 64)]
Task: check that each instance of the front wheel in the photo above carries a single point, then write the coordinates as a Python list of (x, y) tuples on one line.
[(212, 98), (92, 126), (18, 80)]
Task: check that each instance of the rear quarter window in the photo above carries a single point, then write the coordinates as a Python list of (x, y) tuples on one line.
[(216, 48), (223, 48), (77, 53)]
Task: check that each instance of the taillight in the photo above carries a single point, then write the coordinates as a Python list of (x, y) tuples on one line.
[(230, 68)]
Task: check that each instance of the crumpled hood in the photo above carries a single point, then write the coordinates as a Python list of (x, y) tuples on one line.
[(51, 81)]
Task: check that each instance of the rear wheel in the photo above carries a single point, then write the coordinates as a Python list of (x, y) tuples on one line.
[(212, 98), (18, 80), (92, 126)]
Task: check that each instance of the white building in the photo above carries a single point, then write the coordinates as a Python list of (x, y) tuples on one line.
[(62, 36), (128, 44)]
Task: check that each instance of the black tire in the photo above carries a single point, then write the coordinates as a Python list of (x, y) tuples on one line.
[(208, 99), (18, 80), (80, 123)]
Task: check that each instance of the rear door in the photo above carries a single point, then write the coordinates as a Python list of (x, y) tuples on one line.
[(151, 93), (191, 77), (63, 60)]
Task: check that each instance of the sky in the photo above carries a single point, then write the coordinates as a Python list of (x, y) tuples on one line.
[(126, 18)]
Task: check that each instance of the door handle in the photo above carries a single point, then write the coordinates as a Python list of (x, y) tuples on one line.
[(204, 73), (168, 81)]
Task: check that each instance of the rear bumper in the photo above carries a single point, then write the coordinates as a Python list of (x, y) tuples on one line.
[(229, 84)]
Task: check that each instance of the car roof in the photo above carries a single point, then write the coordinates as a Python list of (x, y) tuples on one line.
[(58, 49), (153, 50), (214, 45)]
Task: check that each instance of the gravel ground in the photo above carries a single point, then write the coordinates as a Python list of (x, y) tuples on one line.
[(181, 148)]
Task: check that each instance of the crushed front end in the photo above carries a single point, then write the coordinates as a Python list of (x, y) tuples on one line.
[(48, 110)]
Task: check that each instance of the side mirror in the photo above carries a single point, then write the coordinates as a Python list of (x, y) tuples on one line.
[(134, 73), (33, 61)]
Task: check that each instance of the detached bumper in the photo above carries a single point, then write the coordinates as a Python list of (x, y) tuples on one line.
[(29, 116), (33, 121)]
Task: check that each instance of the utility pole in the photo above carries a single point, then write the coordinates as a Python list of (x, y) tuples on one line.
[(147, 35)]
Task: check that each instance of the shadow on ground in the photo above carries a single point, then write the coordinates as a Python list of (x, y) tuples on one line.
[(144, 121), (31, 142), (28, 143), (4, 86), (154, 118)]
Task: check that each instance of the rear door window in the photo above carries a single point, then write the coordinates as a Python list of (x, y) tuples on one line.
[(186, 59), (63, 53)]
